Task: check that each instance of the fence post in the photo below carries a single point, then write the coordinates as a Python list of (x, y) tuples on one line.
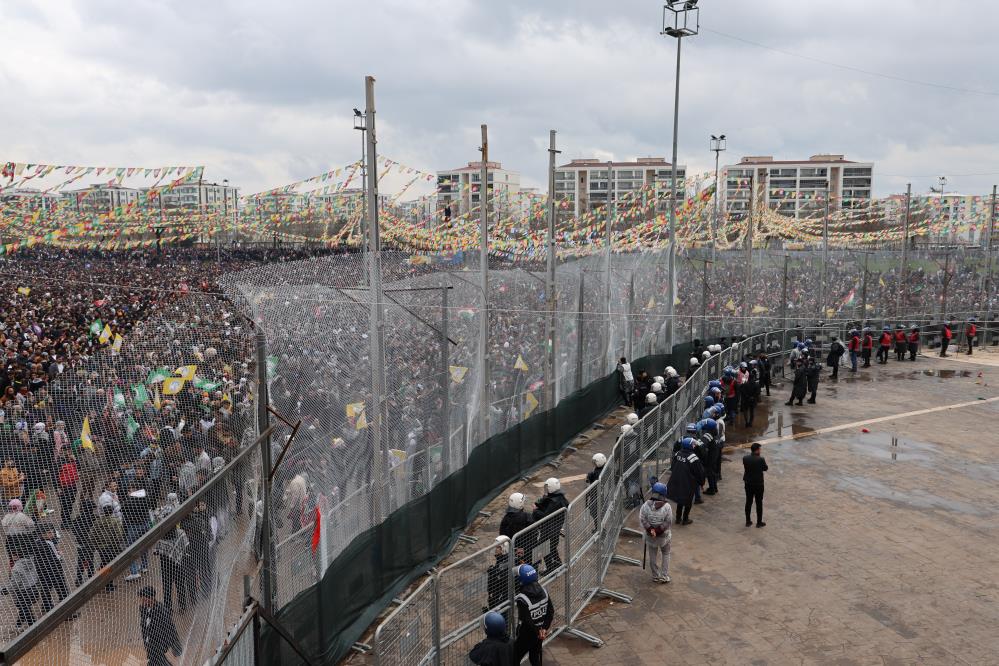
[(445, 387), (580, 334), (263, 417), (630, 316), (436, 620)]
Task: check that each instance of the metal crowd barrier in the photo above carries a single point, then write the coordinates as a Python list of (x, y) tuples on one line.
[(572, 549)]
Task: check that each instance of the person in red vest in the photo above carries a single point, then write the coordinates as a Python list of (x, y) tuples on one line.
[(946, 333), (868, 346), (970, 332), (913, 343), (854, 347), (884, 345), (900, 343)]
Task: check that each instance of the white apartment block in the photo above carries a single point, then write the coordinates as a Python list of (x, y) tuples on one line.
[(201, 195), (101, 198), (459, 189), (797, 188), (585, 185)]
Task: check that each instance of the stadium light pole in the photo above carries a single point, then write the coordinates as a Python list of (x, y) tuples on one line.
[(677, 19), (360, 126), (550, 293), (484, 285), (718, 145)]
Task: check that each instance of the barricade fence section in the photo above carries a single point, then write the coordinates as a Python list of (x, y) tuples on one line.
[(572, 549)]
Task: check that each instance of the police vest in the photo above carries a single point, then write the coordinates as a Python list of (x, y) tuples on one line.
[(535, 609)]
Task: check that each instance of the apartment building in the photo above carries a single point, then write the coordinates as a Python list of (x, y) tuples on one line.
[(797, 188), (585, 185), (459, 189)]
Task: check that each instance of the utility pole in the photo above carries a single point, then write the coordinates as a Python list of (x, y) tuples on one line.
[(376, 315), (717, 145), (446, 452), (900, 287), (945, 285), (267, 523), (670, 305), (783, 300), (825, 257), (747, 288), (580, 332), (863, 291), (550, 293), (704, 301), (608, 248), (484, 286)]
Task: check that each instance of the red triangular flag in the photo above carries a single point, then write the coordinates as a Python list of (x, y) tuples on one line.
[(315, 530)]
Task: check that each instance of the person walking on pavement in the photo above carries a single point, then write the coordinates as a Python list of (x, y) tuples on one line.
[(854, 348), (900, 343), (970, 333), (754, 465), (884, 345), (836, 351), (868, 347), (159, 633), (687, 475), (812, 374), (495, 649), (946, 334), (656, 517), (535, 612), (913, 343)]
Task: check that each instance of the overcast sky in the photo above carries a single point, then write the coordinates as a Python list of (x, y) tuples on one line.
[(261, 92)]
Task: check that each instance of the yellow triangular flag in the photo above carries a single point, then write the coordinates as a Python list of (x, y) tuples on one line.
[(362, 422), (520, 365), (676, 300), (730, 305), (173, 385), (354, 409), (86, 441), (651, 304), (105, 334), (116, 345), (532, 404), (24, 291), (458, 373), (759, 309), (186, 373), (398, 454)]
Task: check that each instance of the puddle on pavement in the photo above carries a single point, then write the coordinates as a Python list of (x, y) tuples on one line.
[(919, 499), (886, 446), (947, 374)]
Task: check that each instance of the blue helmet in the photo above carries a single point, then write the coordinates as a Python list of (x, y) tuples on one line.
[(708, 424), (692, 427), (708, 401), (687, 443), (708, 413), (527, 574), (799, 345), (494, 624), (716, 393), (717, 412), (730, 373), (808, 342), (886, 328), (659, 488), (714, 383)]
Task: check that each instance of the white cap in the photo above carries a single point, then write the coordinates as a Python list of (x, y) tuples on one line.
[(659, 380), (503, 542), (651, 399), (552, 485), (599, 459), (632, 418), (657, 387), (516, 501), (671, 371), (694, 361), (706, 354)]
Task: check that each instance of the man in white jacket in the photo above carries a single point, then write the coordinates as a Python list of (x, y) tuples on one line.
[(656, 517)]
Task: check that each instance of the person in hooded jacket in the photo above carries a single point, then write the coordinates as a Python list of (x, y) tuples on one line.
[(643, 384), (535, 612), (836, 351), (763, 363), (549, 503), (751, 393), (656, 518), (686, 476), (812, 373), (495, 649), (800, 387)]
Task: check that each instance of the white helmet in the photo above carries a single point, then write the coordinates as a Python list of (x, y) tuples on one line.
[(516, 501), (503, 542), (632, 418), (706, 354), (694, 361), (599, 460), (671, 371), (657, 387), (651, 399), (625, 429), (659, 380), (552, 485)]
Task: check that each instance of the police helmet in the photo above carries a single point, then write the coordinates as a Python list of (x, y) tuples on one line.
[(708, 424), (692, 427), (632, 418), (553, 485), (516, 501), (625, 429), (706, 354), (709, 401), (694, 361), (671, 371), (657, 387), (527, 574), (659, 488), (658, 380), (494, 624), (599, 460), (687, 443), (651, 399), (714, 383)]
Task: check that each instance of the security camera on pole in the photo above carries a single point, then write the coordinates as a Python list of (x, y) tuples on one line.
[(680, 19)]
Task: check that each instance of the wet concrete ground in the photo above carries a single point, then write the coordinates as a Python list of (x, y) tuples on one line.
[(880, 547)]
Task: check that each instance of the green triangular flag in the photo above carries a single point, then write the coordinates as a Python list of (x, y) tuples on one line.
[(131, 426), (141, 395), (205, 385), (119, 398), (96, 327), (158, 375)]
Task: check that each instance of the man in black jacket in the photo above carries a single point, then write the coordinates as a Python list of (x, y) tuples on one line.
[(495, 650), (686, 476), (158, 631), (754, 465), (836, 351), (812, 373), (48, 562), (550, 503)]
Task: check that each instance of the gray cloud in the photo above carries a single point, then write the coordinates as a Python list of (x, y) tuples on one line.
[(261, 92)]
